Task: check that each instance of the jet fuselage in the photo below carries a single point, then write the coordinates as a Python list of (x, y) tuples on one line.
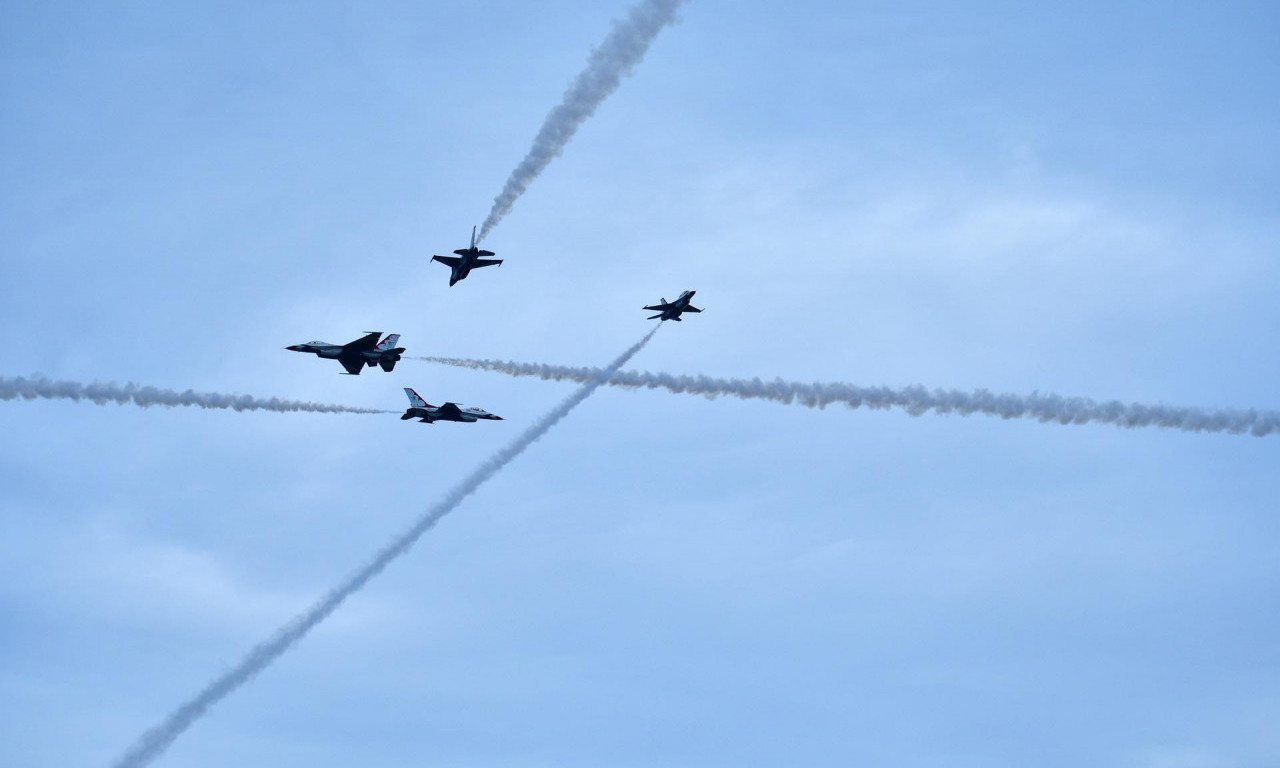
[(428, 413), (671, 310), (365, 351), (465, 260)]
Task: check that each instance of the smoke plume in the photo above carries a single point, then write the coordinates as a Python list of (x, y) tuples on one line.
[(914, 400), (616, 57), (43, 388), (155, 741)]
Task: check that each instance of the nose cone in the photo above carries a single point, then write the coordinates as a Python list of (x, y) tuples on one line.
[(294, 347)]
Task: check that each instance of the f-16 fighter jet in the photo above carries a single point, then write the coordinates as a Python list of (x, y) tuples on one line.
[(466, 260), (670, 310), (421, 409), (366, 350)]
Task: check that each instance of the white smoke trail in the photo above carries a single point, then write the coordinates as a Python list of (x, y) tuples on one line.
[(155, 741), (39, 387), (915, 400), (616, 57)]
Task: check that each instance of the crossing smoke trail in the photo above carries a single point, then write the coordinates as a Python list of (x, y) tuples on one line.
[(914, 400), (616, 57), (155, 741), (38, 387)]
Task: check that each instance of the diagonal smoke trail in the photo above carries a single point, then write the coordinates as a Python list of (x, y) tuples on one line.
[(616, 57), (155, 741), (39, 387), (914, 400)]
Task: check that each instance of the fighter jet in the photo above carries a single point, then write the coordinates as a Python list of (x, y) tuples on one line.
[(366, 350), (466, 260), (670, 310), (421, 409)]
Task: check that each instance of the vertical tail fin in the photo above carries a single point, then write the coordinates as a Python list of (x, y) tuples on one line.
[(473, 238), (388, 342), (415, 400)]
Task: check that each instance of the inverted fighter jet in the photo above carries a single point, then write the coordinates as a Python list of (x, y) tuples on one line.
[(670, 310), (366, 350), (421, 409), (466, 260)]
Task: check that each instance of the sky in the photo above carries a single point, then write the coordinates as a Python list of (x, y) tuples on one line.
[(1077, 198)]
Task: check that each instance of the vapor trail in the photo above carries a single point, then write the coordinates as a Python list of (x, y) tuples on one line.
[(39, 387), (616, 57), (915, 400), (155, 741)]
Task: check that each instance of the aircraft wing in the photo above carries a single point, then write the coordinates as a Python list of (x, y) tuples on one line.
[(452, 261), (353, 364), (449, 409), (362, 344), (658, 307), (485, 263), (691, 308)]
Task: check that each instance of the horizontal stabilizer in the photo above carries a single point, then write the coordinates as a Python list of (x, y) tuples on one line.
[(655, 317), (387, 365), (692, 309)]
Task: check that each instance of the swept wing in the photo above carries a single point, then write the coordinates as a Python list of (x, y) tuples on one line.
[(449, 409), (364, 343)]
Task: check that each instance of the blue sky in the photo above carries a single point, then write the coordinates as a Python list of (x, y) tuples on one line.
[(1073, 197)]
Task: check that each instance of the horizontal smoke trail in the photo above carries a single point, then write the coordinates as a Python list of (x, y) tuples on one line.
[(39, 387), (914, 400), (155, 741), (616, 57)]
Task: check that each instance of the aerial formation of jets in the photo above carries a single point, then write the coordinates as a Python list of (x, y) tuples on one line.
[(368, 351)]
